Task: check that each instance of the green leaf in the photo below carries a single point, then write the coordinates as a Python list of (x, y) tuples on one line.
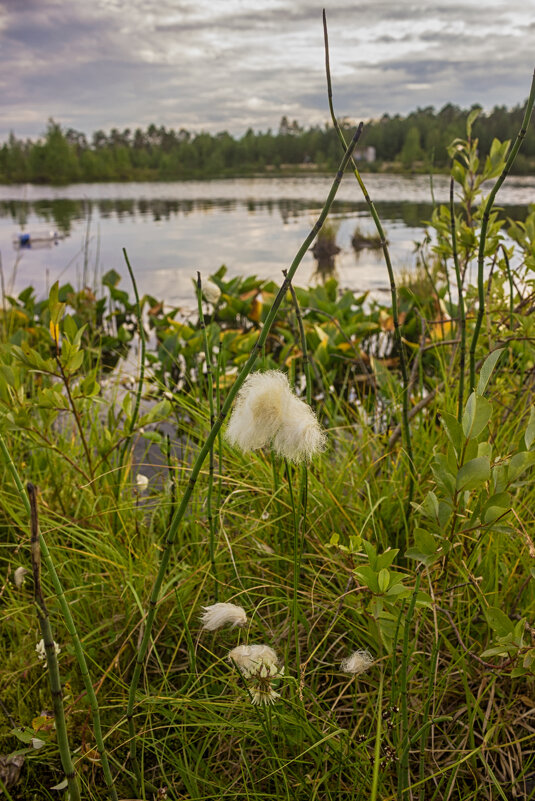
[(368, 576), (529, 436), (487, 370), (474, 114), (496, 506), (473, 474), (425, 547), (520, 462), (383, 579), (453, 430), (498, 621), (442, 473), (476, 415)]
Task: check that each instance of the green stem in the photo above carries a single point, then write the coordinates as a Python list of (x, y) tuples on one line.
[(388, 262), (208, 358), (50, 651), (377, 749), (404, 762), (484, 225), (205, 450), (71, 628), (141, 330), (511, 286), (460, 301)]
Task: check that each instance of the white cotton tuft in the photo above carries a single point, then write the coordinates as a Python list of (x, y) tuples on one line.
[(267, 411), (259, 666), (252, 658), (358, 662), (301, 436), (221, 614), (211, 292)]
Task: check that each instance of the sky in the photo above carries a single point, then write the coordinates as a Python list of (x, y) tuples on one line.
[(217, 65)]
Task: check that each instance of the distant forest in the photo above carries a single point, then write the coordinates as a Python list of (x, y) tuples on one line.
[(414, 143)]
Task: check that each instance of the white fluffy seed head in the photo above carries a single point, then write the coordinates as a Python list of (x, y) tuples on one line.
[(266, 410), (301, 436), (358, 662), (211, 292), (222, 614), (253, 659)]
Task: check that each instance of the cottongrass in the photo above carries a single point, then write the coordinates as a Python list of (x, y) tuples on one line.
[(267, 411), (211, 292), (221, 614), (259, 665), (359, 662), (41, 651)]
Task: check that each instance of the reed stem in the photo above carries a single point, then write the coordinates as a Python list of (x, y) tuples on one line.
[(484, 225), (210, 381), (460, 301), (388, 262)]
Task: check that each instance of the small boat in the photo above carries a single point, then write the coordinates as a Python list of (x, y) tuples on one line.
[(37, 239)]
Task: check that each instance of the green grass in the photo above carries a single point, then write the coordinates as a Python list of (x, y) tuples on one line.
[(440, 591)]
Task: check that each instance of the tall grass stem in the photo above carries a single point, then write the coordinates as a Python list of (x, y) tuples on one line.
[(484, 225), (388, 262)]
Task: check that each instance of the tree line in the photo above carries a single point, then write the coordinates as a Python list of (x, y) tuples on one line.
[(415, 142)]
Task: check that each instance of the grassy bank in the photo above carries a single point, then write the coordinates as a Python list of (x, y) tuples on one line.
[(408, 539)]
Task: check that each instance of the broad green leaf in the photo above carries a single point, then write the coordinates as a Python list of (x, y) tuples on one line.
[(476, 415), (498, 621), (520, 462), (529, 436), (383, 579), (453, 430), (368, 576), (473, 474), (487, 370)]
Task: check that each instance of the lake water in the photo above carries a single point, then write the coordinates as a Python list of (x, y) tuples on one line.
[(253, 226)]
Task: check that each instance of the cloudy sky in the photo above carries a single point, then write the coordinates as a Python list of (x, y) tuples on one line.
[(232, 64)]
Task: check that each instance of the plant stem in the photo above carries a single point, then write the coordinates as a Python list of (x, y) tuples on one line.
[(483, 235), (403, 781), (460, 301), (71, 628), (209, 378), (511, 286), (50, 650), (133, 419), (377, 749), (388, 262), (205, 450)]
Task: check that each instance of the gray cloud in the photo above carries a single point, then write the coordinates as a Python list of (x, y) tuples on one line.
[(208, 66)]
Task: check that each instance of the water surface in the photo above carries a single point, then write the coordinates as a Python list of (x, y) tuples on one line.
[(171, 230)]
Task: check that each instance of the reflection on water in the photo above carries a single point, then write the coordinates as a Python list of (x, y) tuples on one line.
[(252, 225)]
